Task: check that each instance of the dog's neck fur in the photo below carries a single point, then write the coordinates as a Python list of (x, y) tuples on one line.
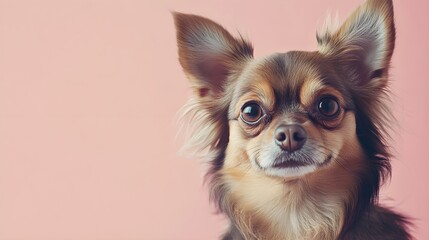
[(276, 210), (312, 207)]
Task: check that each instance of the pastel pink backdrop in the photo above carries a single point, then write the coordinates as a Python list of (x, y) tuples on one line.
[(89, 92)]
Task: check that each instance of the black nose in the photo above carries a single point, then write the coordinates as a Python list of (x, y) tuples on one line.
[(290, 137)]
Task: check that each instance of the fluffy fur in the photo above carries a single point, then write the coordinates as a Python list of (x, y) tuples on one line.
[(334, 195)]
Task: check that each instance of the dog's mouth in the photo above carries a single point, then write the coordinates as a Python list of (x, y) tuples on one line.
[(286, 166), (291, 164), (295, 163)]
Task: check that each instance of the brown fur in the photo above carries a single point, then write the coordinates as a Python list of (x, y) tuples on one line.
[(336, 197)]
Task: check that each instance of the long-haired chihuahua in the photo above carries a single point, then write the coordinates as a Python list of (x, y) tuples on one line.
[(296, 141)]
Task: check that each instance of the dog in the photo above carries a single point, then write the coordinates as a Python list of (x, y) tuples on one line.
[(296, 141)]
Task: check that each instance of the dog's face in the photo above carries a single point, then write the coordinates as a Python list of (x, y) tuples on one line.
[(288, 114)]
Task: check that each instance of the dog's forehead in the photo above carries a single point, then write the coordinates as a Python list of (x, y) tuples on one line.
[(289, 71), (286, 74)]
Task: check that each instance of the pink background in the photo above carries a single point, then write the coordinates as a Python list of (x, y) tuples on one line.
[(89, 92)]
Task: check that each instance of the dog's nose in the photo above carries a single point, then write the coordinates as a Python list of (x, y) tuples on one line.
[(290, 137)]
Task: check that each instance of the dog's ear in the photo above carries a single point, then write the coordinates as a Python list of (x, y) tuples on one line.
[(364, 44), (208, 54), (211, 58)]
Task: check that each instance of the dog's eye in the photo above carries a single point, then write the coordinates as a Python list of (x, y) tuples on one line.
[(251, 113), (328, 107)]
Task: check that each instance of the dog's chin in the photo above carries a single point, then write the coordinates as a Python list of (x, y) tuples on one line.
[(291, 168)]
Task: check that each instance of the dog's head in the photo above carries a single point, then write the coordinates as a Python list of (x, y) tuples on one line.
[(291, 114)]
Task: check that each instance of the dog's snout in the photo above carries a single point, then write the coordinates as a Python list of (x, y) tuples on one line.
[(290, 137)]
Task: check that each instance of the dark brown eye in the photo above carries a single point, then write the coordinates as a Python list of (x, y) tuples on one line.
[(251, 113), (328, 107)]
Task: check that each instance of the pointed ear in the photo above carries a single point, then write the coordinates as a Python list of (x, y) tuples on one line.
[(364, 44), (208, 53)]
